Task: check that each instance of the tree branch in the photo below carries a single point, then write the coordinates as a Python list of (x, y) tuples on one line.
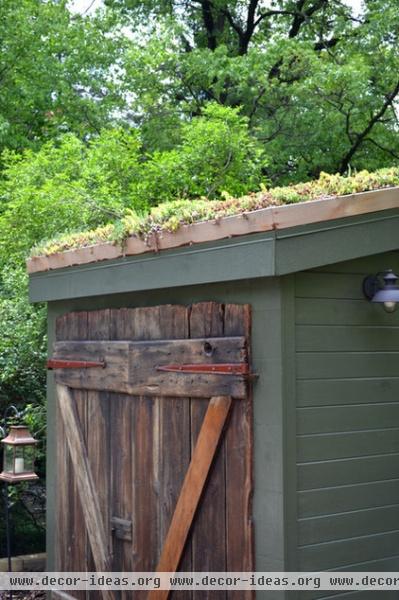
[(209, 23), (245, 35), (237, 28), (253, 5), (387, 150), (302, 16), (326, 44), (256, 103), (273, 13), (298, 19), (299, 15), (360, 137)]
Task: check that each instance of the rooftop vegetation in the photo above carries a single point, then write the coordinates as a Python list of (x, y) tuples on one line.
[(169, 216)]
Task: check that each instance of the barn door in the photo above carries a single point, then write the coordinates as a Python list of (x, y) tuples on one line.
[(154, 430)]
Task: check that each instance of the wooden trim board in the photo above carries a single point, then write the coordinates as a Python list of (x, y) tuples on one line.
[(136, 367), (265, 219), (85, 484)]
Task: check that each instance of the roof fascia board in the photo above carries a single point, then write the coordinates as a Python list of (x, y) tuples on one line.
[(230, 260)]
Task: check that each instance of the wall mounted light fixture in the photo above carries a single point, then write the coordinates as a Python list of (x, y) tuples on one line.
[(382, 288)]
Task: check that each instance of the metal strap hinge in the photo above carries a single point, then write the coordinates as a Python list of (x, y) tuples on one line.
[(208, 369), (53, 363)]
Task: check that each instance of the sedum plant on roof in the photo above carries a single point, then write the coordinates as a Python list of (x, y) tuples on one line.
[(169, 216)]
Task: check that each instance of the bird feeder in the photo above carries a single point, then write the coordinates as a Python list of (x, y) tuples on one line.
[(19, 455)]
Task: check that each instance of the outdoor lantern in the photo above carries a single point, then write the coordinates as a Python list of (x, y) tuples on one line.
[(18, 455), (382, 288)]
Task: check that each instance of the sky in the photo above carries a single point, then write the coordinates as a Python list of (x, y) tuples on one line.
[(87, 6), (83, 6)]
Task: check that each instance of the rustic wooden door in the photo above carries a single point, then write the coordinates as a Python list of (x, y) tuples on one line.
[(154, 451)]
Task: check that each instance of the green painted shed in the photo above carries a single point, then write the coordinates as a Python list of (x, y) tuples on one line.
[(322, 477)]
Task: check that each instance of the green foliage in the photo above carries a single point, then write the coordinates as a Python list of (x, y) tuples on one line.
[(72, 185), (23, 383), (63, 187), (35, 418), (169, 216), (56, 72), (22, 342), (28, 532), (215, 154), (317, 82)]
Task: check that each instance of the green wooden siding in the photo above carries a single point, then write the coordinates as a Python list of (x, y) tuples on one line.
[(347, 423)]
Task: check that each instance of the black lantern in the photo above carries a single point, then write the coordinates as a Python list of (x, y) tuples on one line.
[(382, 288), (18, 455)]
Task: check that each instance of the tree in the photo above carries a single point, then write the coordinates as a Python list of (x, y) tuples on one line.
[(66, 185), (57, 72), (317, 83), (71, 185), (215, 154)]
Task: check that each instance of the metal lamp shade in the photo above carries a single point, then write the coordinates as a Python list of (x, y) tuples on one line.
[(19, 449), (388, 294)]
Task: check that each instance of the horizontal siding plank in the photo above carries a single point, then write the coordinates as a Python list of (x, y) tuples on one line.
[(348, 471), (319, 311), (309, 284), (319, 338), (339, 365), (336, 554), (347, 525), (347, 498), (328, 419), (319, 392), (363, 266), (346, 445), (383, 564), (389, 565), (363, 595)]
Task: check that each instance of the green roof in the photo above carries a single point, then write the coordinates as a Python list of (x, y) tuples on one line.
[(170, 216)]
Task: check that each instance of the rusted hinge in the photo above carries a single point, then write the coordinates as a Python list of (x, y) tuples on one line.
[(208, 369), (54, 363)]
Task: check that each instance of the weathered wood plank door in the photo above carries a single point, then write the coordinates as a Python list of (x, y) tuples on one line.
[(154, 463)]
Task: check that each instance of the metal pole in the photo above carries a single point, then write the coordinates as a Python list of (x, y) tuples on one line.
[(8, 536)]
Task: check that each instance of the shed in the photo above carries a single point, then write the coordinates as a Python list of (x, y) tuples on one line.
[(253, 330)]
